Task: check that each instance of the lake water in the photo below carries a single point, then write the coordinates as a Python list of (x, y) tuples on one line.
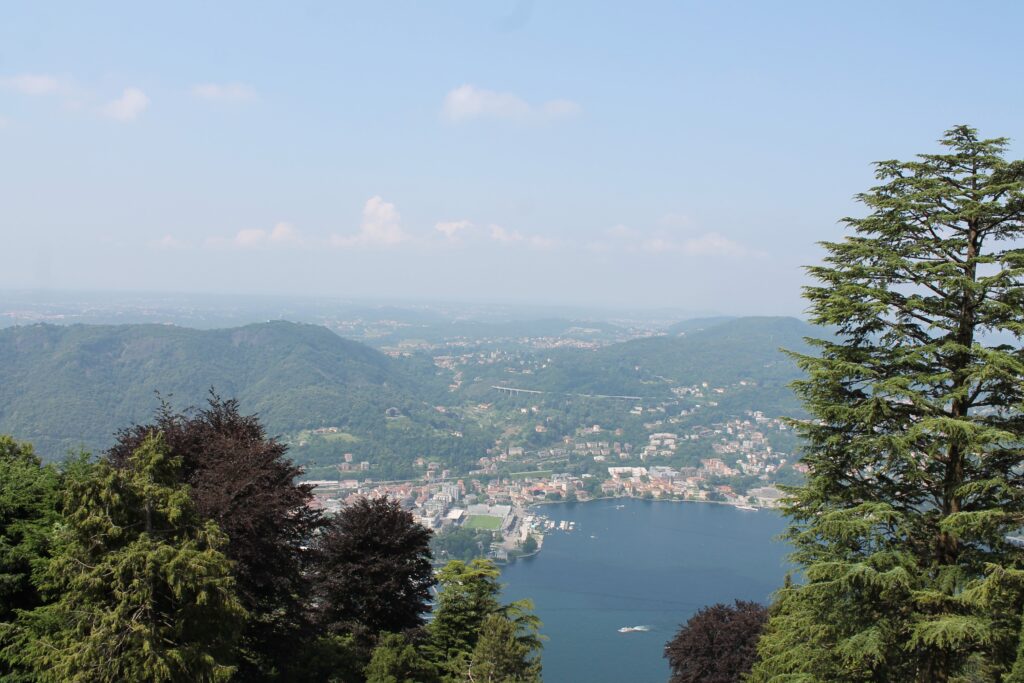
[(640, 563)]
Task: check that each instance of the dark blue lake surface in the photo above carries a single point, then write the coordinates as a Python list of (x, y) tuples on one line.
[(640, 563)]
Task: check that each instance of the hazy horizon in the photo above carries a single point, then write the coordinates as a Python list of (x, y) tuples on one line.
[(672, 156), (17, 307)]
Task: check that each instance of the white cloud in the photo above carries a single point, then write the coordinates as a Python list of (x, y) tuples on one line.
[(451, 229), (708, 244), (500, 234), (250, 237), (33, 84), (621, 232), (468, 102), (713, 243), (618, 237), (282, 234), (381, 227), (658, 245), (128, 106), (624, 238), (169, 242), (514, 237), (224, 92)]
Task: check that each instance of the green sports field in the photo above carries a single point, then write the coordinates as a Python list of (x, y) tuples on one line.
[(486, 522)]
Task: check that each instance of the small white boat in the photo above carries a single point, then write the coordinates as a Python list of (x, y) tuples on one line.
[(751, 508), (634, 629)]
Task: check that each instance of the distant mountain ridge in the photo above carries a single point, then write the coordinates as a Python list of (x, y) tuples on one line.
[(63, 386), (691, 325), (718, 351), (483, 331)]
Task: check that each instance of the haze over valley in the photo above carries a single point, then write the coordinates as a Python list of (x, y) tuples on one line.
[(510, 342)]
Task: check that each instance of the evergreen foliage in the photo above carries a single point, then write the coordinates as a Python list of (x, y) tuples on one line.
[(466, 608), (327, 659), (116, 571), (140, 587), (468, 593), (28, 493), (243, 481), (915, 450), (718, 644), (501, 655), (396, 660)]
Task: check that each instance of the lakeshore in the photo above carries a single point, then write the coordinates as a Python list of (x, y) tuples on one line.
[(539, 535), (730, 462), (630, 563)]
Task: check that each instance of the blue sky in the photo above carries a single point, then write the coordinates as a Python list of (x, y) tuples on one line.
[(684, 154)]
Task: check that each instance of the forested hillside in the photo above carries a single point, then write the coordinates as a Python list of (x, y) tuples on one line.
[(61, 387), (504, 333), (720, 352), (64, 387)]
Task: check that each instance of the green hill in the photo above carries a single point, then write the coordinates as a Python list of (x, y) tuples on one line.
[(66, 386), (721, 353), (508, 334), (697, 324), (63, 387)]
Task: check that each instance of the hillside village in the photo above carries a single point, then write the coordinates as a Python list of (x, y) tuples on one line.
[(738, 468)]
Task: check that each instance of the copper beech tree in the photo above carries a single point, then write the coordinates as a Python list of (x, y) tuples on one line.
[(243, 481)]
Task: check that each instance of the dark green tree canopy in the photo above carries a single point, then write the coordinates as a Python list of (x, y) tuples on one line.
[(501, 655), (373, 570), (467, 608), (138, 585), (396, 660), (468, 593), (28, 511), (28, 497), (718, 644), (915, 447), (243, 481)]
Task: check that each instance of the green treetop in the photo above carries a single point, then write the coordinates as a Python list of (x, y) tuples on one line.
[(396, 660), (140, 587), (915, 446), (28, 493), (466, 639), (468, 593), (501, 655)]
